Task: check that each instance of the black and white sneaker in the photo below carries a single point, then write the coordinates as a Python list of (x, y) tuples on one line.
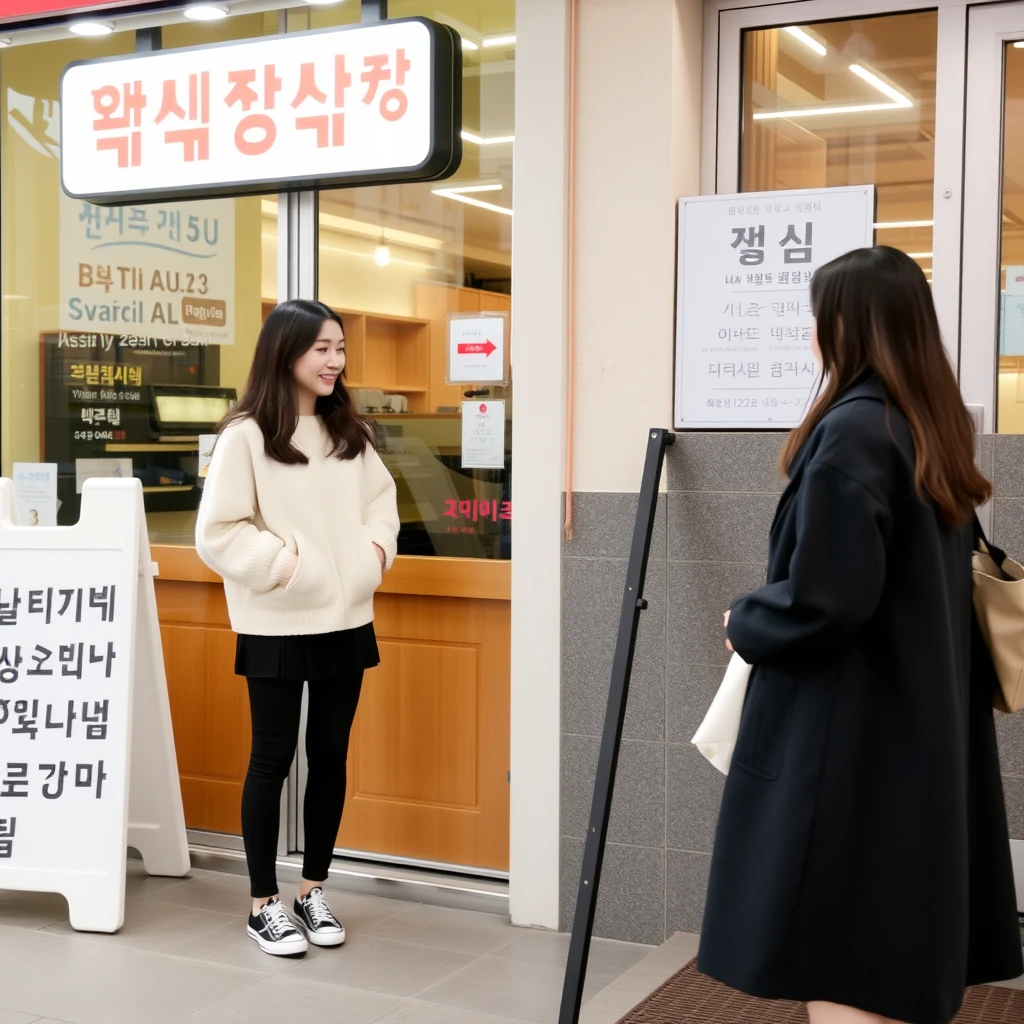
[(314, 917), (275, 932)]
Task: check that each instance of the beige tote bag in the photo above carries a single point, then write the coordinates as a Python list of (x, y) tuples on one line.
[(999, 605)]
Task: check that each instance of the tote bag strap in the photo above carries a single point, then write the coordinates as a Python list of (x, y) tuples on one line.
[(981, 543)]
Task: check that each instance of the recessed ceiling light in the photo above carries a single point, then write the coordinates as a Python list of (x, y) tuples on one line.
[(494, 140), (500, 41), (885, 224), (883, 87), (206, 12), (91, 28), (807, 39)]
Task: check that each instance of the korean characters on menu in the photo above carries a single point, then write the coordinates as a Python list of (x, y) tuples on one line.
[(58, 668), (758, 363)]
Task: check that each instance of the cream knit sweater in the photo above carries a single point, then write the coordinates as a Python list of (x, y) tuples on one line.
[(294, 544)]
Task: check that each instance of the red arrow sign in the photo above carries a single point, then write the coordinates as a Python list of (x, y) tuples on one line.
[(475, 348)]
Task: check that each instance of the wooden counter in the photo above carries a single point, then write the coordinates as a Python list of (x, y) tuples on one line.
[(429, 758)]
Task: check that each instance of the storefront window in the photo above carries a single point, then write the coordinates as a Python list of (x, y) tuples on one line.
[(397, 260), (847, 103), (103, 354), (1011, 320)]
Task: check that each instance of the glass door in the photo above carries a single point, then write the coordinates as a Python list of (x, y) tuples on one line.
[(992, 307)]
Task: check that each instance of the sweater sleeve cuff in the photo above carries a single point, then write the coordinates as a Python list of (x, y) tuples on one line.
[(283, 568), (386, 540)]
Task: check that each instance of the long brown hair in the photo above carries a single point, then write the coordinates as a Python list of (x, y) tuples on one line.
[(269, 397), (874, 312)]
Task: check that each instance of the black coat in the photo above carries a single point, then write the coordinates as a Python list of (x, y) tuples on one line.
[(862, 854)]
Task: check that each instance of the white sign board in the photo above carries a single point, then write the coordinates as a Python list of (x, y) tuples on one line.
[(477, 349), (157, 272), (343, 106), (35, 488), (483, 435), (743, 312), (87, 763)]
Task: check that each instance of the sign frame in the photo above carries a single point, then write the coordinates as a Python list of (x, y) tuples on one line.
[(443, 158), (678, 341)]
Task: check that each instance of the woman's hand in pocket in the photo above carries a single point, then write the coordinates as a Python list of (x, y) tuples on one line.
[(725, 625)]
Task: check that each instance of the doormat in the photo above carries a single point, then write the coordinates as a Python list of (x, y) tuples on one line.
[(690, 997)]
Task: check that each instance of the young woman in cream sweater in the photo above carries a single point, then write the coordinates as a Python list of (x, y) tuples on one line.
[(300, 519)]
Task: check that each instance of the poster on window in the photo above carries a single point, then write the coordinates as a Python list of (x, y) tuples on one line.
[(163, 275), (743, 358), (1011, 309)]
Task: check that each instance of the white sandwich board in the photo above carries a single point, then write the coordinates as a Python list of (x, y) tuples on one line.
[(87, 763)]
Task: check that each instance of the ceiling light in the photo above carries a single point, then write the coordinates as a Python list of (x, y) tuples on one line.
[(382, 254), (494, 140), (91, 28), (460, 195), (468, 44), (206, 12), (500, 41), (883, 87), (858, 108), (920, 255), (808, 40), (884, 225), (322, 3), (466, 189), (1019, 46)]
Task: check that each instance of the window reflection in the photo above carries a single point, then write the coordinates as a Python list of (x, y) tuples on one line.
[(847, 103)]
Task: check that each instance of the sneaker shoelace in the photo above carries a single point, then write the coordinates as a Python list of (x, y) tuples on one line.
[(278, 921), (319, 912)]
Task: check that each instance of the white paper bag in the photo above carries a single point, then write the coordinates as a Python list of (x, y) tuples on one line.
[(716, 737)]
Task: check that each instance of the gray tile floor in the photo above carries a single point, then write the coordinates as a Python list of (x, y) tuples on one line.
[(183, 956)]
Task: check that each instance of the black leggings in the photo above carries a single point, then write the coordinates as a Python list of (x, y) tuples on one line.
[(276, 705)]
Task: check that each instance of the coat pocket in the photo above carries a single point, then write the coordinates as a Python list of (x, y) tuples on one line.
[(765, 725)]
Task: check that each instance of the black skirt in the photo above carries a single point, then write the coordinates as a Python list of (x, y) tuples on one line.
[(319, 656)]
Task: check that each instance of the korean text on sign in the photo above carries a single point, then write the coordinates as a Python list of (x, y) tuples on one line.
[(325, 106)]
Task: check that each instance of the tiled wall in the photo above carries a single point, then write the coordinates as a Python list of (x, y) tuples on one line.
[(710, 545)]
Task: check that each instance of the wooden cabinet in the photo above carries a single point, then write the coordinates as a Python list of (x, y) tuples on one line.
[(429, 759)]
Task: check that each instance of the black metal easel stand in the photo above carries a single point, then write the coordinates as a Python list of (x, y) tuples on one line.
[(633, 604)]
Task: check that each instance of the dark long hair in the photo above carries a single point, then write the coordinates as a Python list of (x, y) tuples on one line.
[(874, 312), (288, 333)]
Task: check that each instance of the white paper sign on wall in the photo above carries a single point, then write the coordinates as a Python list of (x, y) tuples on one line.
[(87, 764), (35, 488), (483, 435), (477, 348), (743, 314), (343, 106)]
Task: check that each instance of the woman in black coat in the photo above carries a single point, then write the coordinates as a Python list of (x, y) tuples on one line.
[(862, 862)]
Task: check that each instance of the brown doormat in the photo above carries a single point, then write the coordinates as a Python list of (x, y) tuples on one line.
[(691, 998)]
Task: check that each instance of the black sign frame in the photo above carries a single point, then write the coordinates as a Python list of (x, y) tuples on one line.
[(442, 161)]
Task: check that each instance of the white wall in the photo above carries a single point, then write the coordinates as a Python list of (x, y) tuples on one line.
[(639, 75), (638, 150), (538, 440)]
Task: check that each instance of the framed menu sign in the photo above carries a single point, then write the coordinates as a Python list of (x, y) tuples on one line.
[(743, 309)]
